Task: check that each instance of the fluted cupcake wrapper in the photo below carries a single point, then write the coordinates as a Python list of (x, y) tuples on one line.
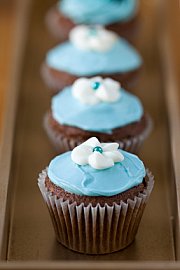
[(95, 229), (63, 144)]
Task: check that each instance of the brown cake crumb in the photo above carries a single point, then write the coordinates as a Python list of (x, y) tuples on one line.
[(71, 132), (94, 200)]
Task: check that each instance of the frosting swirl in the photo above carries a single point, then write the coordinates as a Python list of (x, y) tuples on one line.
[(85, 180), (99, 12), (92, 38)]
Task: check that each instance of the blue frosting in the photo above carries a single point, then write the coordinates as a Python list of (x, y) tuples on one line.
[(98, 11), (84, 180), (121, 58), (102, 117)]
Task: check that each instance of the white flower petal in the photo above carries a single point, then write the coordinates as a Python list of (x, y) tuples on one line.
[(80, 154), (109, 90), (83, 154), (96, 79), (82, 90), (91, 100), (101, 93), (87, 96), (104, 94), (78, 36), (95, 44), (107, 38), (99, 161), (80, 83), (112, 90), (101, 40), (110, 146), (92, 142), (110, 83), (113, 95), (79, 86), (116, 156)]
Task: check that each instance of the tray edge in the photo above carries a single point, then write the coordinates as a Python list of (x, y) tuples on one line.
[(9, 114)]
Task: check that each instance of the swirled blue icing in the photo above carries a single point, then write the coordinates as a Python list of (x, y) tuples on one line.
[(84, 180), (102, 117), (98, 11), (121, 58)]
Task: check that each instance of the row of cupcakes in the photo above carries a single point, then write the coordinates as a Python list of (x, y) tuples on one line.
[(95, 191)]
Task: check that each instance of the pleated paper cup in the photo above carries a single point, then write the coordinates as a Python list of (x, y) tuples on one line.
[(96, 229), (63, 144)]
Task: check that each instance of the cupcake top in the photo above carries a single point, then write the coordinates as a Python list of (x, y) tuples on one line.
[(96, 169), (99, 11), (96, 104), (93, 50)]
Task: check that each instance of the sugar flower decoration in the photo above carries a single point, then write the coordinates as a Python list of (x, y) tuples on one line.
[(94, 90), (92, 38), (98, 155)]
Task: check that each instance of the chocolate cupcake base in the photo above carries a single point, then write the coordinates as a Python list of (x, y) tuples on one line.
[(56, 80), (65, 138), (60, 26), (96, 229)]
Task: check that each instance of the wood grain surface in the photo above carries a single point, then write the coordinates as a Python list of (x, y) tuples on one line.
[(31, 234), (13, 22), (7, 26)]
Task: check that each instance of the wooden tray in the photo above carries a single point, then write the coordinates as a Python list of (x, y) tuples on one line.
[(27, 239)]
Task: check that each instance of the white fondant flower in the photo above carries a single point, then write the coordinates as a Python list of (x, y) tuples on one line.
[(98, 155), (95, 90), (95, 38)]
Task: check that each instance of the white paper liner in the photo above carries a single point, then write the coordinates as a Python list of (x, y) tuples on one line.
[(63, 144), (95, 230)]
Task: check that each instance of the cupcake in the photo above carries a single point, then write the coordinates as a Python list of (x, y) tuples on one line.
[(96, 107), (91, 51), (118, 16), (96, 196)]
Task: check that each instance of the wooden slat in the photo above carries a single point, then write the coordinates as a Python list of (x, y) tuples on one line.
[(13, 25)]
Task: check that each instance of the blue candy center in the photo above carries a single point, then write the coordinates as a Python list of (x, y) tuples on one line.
[(98, 149), (95, 85), (92, 30)]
